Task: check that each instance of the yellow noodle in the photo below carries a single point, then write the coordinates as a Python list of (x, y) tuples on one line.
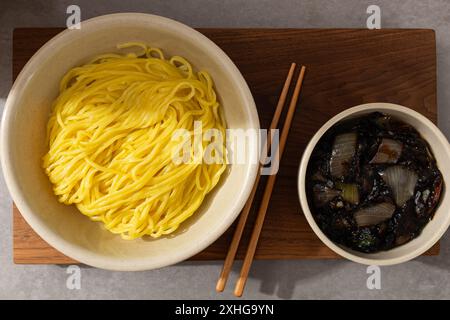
[(110, 141)]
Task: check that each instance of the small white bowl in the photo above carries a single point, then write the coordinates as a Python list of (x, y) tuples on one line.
[(23, 133), (433, 231)]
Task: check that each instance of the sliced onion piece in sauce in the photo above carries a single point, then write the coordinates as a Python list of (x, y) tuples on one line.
[(402, 182), (389, 151), (324, 194), (344, 148), (374, 215)]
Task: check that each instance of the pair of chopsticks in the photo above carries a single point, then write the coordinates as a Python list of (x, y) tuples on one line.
[(267, 192)]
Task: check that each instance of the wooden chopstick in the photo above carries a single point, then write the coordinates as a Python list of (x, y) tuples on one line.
[(221, 282), (238, 290)]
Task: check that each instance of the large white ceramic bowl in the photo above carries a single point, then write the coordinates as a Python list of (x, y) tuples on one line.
[(433, 230), (23, 143)]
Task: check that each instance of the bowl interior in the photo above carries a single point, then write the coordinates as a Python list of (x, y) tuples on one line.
[(25, 119), (441, 220)]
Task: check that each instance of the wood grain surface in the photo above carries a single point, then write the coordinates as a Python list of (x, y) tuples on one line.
[(345, 67)]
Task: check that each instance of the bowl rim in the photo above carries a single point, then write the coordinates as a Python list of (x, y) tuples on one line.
[(83, 255), (301, 179)]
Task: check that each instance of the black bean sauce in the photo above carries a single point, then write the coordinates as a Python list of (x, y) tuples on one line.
[(372, 183)]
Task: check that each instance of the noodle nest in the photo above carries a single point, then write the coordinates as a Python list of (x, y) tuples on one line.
[(111, 146)]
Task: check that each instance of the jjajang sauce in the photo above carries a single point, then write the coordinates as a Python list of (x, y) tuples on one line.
[(372, 183)]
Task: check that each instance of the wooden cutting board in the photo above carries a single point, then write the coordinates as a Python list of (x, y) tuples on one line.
[(345, 67)]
